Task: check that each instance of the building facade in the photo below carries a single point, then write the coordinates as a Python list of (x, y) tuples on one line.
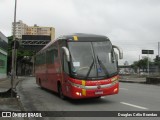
[(24, 29), (20, 29), (3, 55)]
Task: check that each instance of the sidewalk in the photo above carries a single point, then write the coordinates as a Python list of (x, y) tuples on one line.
[(132, 80), (6, 102), (5, 84)]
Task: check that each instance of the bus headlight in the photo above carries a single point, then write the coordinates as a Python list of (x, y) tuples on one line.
[(78, 93), (115, 90)]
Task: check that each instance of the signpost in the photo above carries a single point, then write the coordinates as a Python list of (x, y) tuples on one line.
[(148, 52)]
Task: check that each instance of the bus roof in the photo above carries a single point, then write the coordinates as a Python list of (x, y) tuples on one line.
[(81, 37), (84, 37)]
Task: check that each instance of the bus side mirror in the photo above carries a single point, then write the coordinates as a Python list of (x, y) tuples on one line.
[(120, 52), (111, 56), (66, 51)]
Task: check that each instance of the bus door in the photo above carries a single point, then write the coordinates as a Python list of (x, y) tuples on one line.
[(66, 73), (64, 68)]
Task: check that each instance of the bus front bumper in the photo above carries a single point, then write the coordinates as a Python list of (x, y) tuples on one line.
[(79, 93)]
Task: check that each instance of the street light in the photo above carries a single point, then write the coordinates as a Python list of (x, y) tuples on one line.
[(13, 50)]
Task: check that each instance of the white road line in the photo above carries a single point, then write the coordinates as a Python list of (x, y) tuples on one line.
[(103, 97), (132, 105), (123, 88)]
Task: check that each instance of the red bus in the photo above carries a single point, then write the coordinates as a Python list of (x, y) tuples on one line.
[(79, 66)]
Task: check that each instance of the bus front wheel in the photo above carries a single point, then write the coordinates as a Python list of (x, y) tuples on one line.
[(60, 91)]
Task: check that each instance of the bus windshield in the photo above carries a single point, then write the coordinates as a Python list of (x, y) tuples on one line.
[(92, 60)]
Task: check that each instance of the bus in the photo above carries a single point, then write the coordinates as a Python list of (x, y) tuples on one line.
[(79, 66)]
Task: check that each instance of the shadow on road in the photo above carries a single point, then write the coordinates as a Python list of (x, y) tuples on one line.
[(7, 94), (90, 101), (86, 101)]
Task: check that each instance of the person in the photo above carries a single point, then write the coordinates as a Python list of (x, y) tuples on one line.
[(9, 74)]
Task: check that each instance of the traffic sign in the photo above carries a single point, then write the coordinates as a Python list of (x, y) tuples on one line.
[(147, 51)]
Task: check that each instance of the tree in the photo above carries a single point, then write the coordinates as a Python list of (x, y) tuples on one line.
[(135, 66), (157, 60), (141, 64), (20, 53)]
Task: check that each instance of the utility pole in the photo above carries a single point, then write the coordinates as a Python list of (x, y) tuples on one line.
[(13, 51), (148, 52), (138, 66), (158, 48), (33, 67), (148, 62)]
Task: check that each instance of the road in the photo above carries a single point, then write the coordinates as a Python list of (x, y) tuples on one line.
[(132, 97)]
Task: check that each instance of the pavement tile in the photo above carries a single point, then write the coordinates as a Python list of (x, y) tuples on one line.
[(5, 84), (10, 104)]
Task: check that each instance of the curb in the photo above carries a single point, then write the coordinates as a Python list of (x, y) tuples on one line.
[(124, 81), (128, 81)]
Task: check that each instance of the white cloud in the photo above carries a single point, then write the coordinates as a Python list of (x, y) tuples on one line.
[(131, 24)]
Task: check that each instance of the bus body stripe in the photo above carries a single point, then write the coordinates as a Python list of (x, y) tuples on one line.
[(83, 82), (75, 38), (84, 92)]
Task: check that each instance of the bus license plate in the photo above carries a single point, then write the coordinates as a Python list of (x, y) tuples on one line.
[(99, 92)]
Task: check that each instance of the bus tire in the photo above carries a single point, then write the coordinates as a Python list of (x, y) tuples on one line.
[(98, 97), (40, 83), (60, 92)]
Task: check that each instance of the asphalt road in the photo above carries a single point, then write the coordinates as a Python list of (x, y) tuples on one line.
[(132, 97)]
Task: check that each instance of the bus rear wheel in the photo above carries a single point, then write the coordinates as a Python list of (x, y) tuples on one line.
[(98, 97), (60, 92), (40, 83)]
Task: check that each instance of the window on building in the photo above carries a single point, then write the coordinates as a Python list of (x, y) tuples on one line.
[(2, 62)]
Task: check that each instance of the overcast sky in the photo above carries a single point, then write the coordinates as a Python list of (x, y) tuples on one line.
[(132, 25)]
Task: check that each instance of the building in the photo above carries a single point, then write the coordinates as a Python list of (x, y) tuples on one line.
[(33, 39), (20, 29), (24, 29), (37, 30), (3, 55)]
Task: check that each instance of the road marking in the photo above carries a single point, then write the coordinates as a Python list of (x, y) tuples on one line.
[(132, 105), (102, 97), (123, 88)]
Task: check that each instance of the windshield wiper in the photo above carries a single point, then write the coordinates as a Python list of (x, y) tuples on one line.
[(103, 67), (89, 70)]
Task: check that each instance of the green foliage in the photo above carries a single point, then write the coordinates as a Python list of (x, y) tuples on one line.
[(142, 64), (157, 61), (20, 53), (10, 38)]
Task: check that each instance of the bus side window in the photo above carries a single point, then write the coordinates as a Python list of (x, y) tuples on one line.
[(55, 51), (52, 56), (65, 64), (62, 43), (41, 58)]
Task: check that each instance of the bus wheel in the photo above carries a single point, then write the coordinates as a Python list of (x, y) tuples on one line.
[(98, 97), (39, 82), (60, 92)]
